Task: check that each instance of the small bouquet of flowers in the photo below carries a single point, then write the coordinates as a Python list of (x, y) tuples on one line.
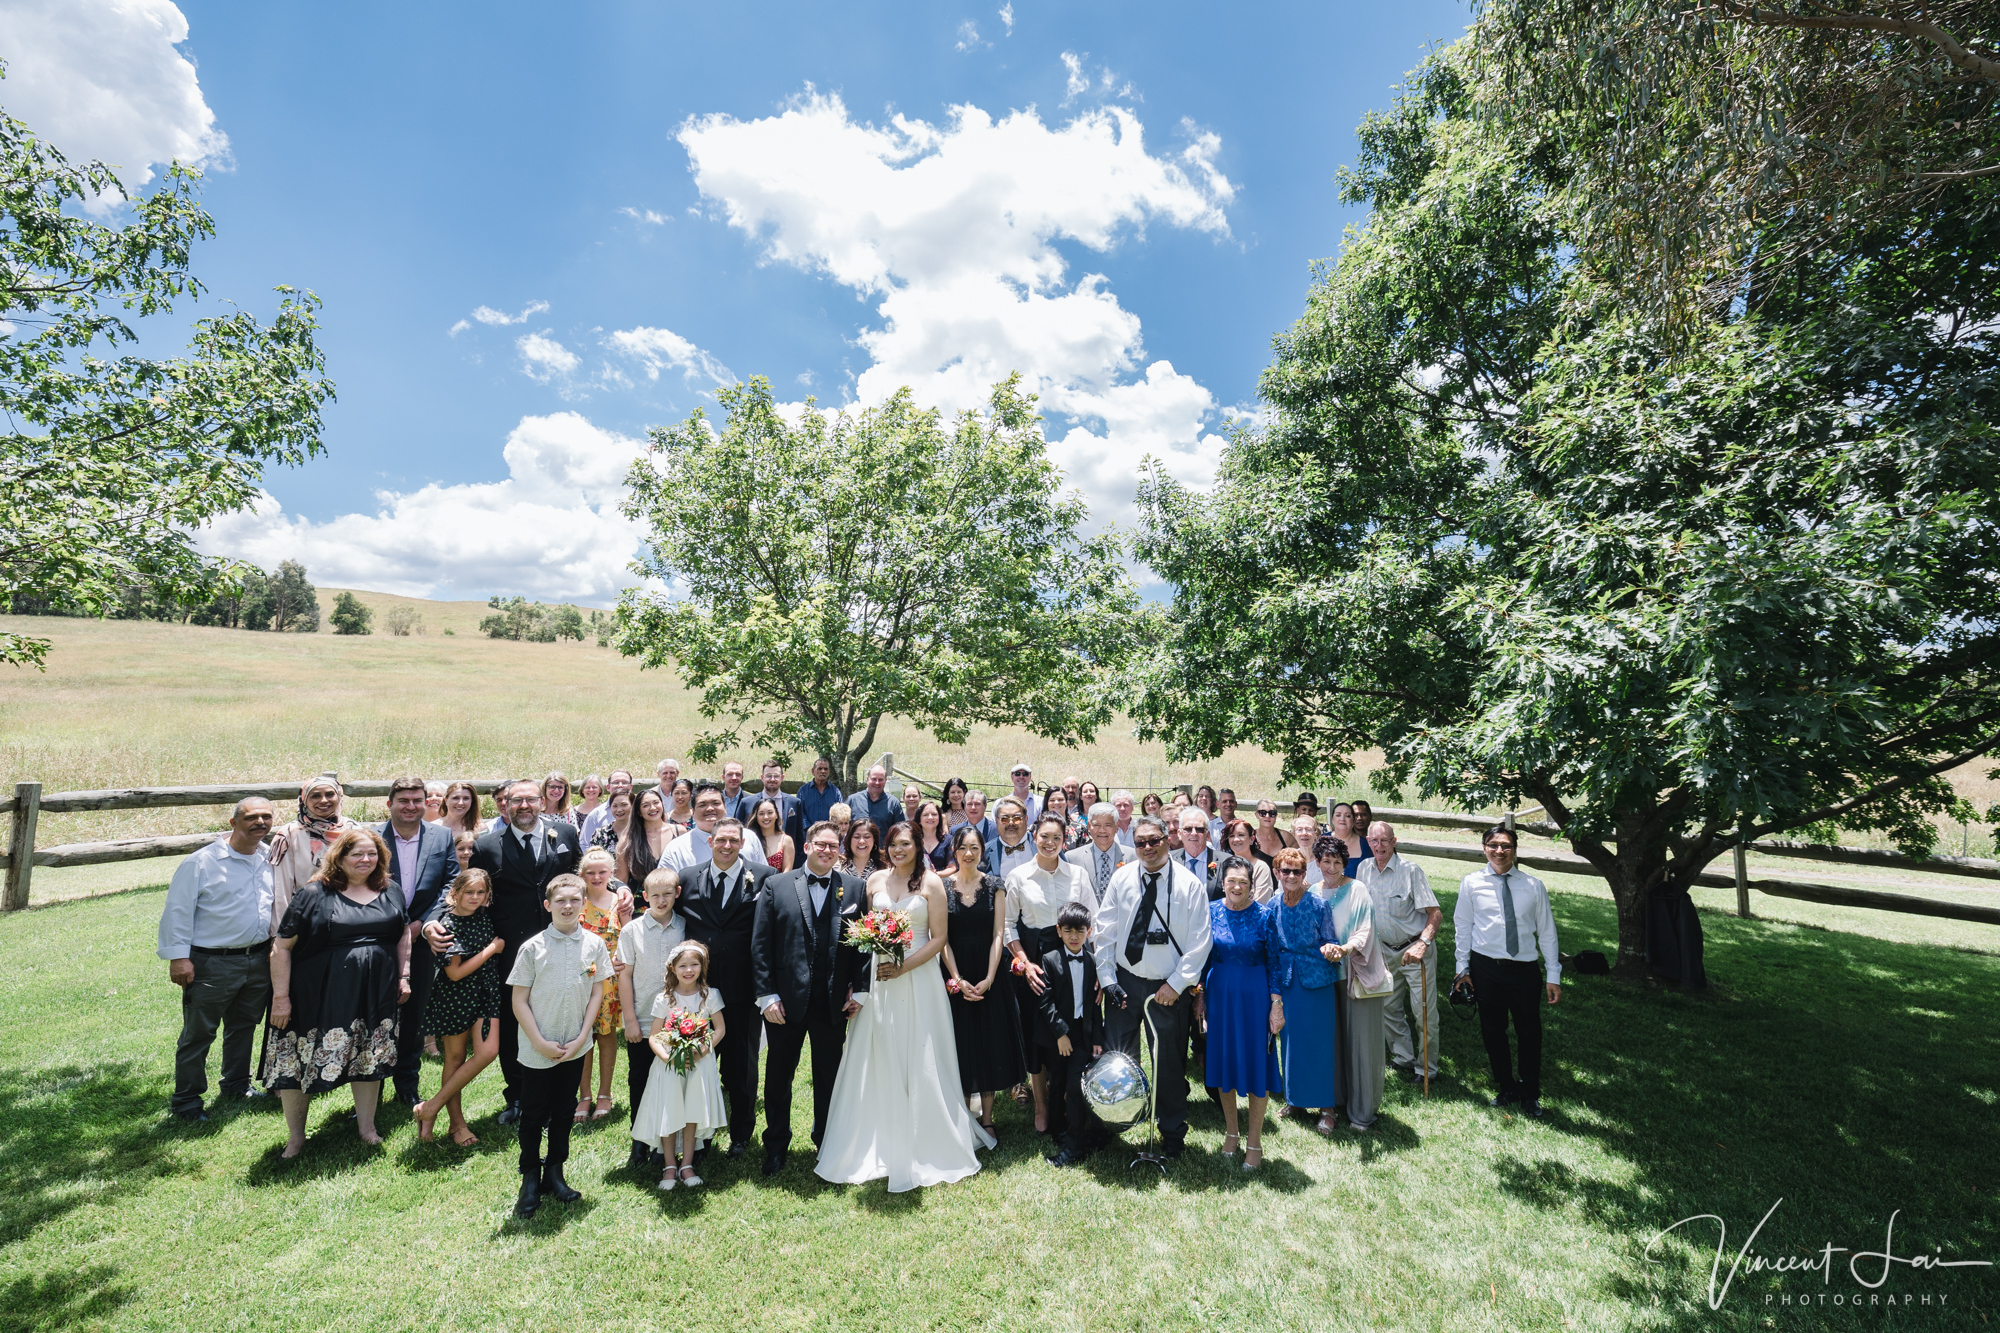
[(885, 933), (683, 1041)]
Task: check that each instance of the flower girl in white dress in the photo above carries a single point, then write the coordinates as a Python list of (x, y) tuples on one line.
[(680, 1111)]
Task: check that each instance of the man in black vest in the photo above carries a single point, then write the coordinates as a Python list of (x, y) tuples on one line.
[(809, 982), (520, 856), (719, 900)]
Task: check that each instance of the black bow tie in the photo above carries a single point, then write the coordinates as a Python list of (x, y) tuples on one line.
[(824, 883)]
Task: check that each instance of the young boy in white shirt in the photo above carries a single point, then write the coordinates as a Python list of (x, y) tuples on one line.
[(557, 985)]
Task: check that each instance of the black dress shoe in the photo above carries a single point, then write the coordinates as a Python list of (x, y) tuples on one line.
[(1505, 1100), (656, 1159), (1406, 1073), (774, 1163), (1172, 1148), (196, 1116), (510, 1114), (640, 1157), (554, 1184), (737, 1150), (1532, 1110), (246, 1094), (530, 1199), (1063, 1157), (410, 1098)]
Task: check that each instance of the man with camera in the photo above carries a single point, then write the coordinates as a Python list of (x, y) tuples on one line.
[(1151, 941), (1502, 922)]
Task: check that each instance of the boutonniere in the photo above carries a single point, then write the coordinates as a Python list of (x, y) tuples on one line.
[(590, 970)]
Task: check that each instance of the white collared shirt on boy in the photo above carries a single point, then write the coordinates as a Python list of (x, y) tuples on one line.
[(559, 971), (643, 946)]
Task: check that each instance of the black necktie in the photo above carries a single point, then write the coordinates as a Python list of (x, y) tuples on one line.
[(727, 878), (1135, 939)]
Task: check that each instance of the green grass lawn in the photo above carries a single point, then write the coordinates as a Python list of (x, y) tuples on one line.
[(1849, 1076)]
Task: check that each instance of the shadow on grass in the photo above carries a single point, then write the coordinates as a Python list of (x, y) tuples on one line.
[(1850, 1077), (59, 1300), (71, 1135)]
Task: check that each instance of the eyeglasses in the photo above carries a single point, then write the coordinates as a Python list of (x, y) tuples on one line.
[(1147, 844), (1291, 874)]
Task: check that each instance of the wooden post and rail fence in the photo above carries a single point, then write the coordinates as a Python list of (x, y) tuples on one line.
[(28, 804)]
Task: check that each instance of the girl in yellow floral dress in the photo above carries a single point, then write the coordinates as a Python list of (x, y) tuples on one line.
[(605, 911)]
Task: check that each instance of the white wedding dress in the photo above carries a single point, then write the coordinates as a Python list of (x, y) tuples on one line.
[(898, 1111)]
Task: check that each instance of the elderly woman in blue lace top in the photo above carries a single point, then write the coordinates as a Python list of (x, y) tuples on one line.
[(1308, 974)]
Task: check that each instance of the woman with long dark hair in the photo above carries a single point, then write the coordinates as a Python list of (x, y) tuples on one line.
[(987, 1027), (860, 850), (933, 838), (779, 849), (954, 804), (643, 840)]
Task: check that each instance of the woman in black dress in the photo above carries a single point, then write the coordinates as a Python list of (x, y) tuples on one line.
[(987, 1026), (340, 966)]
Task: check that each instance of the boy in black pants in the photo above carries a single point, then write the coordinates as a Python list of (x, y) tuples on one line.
[(1071, 1035), (557, 985)]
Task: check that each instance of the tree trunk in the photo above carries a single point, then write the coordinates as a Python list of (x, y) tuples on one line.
[(1628, 893), (1659, 933)]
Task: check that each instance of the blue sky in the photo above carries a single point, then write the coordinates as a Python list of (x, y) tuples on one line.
[(1121, 200)]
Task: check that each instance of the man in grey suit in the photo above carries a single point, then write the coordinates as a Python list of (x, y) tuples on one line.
[(421, 862), (1103, 854)]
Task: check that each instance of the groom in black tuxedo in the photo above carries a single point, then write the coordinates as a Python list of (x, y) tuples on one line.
[(719, 901), (809, 982)]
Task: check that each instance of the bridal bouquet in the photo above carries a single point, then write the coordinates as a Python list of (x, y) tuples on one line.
[(683, 1041), (885, 933)]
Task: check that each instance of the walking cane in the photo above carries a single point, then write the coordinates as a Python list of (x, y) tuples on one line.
[(1424, 1022), (1150, 1152)]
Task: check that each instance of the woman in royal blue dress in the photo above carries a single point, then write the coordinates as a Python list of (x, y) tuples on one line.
[(1240, 1007), (1308, 974)]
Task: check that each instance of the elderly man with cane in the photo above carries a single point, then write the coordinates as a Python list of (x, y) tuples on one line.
[(1407, 917)]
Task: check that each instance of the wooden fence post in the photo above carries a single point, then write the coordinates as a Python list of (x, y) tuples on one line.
[(21, 844)]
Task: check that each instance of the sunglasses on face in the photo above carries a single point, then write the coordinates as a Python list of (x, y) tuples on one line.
[(1145, 844), (1291, 874)]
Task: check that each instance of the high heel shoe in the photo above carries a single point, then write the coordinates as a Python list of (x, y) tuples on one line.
[(1228, 1144), (1257, 1153)]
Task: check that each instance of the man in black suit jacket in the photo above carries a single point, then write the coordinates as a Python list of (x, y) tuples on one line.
[(1071, 1016), (520, 857), (431, 865), (809, 981), (719, 900)]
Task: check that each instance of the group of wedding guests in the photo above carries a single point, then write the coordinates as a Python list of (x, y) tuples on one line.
[(697, 929)]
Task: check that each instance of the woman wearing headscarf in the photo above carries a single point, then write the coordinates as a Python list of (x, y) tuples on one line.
[(298, 848), (1367, 989), (1309, 979)]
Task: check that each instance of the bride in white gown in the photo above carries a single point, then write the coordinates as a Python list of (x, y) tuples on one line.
[(898, 1111)]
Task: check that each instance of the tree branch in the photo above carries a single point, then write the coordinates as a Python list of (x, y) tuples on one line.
[(1975, 65)]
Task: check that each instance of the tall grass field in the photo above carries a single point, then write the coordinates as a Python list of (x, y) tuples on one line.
[(1839, 1082)]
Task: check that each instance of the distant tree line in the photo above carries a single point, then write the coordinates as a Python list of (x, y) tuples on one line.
[(245, 598), (532, 622)]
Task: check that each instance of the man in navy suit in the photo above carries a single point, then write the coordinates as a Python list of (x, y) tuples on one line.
[(774, 791), (719, 901), (421, 863)]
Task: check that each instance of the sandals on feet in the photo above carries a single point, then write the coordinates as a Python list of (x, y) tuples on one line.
[(1326, 1125), (471, 1140), (1257, 1153), (582, 1110), (603, 1107), (1229, 1144), (689, 1178), (669, 1180)]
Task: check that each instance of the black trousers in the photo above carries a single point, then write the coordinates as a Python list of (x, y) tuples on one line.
[(231, 992), (638, 1068), (1073, 1124), (511, 1068), (736, 1063), (1508, 988), (827, 1030), (1121, 1033), (547, 1096), (410, 1036)]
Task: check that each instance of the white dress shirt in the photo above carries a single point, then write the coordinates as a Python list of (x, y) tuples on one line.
[(1182, 901), (1012, 858), (220, 898), (691, 849), (1479, 923), (1035, 896), (1079, 984), (1403, 898)]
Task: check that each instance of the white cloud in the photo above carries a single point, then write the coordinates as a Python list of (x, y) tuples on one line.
[(1007, 16), (645, 215), (968, 36), (657, 349), (458, 328), (486, 314), (544, 359), (951, 229), (1078, 81), (550, 530), (102, 79)]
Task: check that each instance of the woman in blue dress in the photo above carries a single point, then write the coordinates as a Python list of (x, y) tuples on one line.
[(1240, 1007), (1308, 979)]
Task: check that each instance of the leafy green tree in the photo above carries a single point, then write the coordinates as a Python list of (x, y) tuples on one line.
[(1509, 527), (350, 616), (292, 602), (110, 462), (566, 622), (828, 573), (403, 621)]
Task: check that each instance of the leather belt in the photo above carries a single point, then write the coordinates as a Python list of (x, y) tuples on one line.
[(261, 946)]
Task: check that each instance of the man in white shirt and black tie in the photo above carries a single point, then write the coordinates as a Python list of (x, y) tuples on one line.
[(1151, 941), (1501, 923)]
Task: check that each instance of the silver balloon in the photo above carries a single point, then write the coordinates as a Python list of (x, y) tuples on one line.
[(1116, 1088)]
